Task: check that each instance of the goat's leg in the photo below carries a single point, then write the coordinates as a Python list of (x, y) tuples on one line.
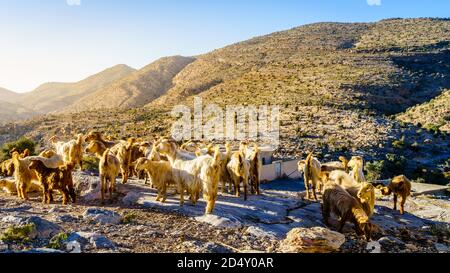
[(402, 204), (65, 195), (103, 188), (72, 194), (24, 191), (306, 181), (395, 201), (245, 189), (44, 193), (342, 223), (325, 213)]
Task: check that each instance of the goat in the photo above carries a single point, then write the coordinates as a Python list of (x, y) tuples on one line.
[(71, 151), (54, 179), (399, 186), (357, 165), (363, 192), (337, 200), (239, 170), (255, 170), (193, 173), (312, 175), (160, 173), (109, 167), (23, 175), (97, 136)]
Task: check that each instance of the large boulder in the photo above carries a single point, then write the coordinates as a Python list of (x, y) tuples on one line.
[(43, 229), (312, 240)]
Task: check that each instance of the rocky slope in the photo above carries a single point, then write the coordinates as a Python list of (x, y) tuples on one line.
[(258, 225), (52, 97), (137, 89), (434, 114)]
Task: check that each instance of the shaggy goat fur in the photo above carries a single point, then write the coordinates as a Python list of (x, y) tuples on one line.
[(7, 168), (97, 136), (357, 165), (71, 152), (122, 151), (54, 179), (109, 167), (9, 186), (224, 175), (399, 186), (160, 173), (239, 170), (363, 192), (312, 175), (337, 200), (255, 170), (23, 175), (193, 173)]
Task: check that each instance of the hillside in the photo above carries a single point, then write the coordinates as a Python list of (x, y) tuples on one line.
[(434, 114), (339, 86), (52, 97), (137, 89), (10, 112), (8, 96)]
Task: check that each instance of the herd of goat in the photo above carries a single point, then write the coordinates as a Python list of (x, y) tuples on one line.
[(194, 168)]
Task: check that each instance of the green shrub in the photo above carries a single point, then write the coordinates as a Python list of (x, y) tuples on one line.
[(20, 145), (57, 241), (399, 144), (90, 163), (17, 234), (129, 218), (374, 170)]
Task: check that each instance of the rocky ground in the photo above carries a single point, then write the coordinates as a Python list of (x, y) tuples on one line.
[(134, 222)]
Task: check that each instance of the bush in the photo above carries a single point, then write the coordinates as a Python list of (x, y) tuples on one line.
[(90, 163), (19, 234), (20, 145), (57, 241), (374, 170)]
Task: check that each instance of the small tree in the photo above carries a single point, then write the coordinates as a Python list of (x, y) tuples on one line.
[(20, 145)]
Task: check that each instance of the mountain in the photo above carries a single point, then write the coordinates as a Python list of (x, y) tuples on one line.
[(51, 97), (11, 112), (434, 114), (340, 87), (137, 89), (8, 96)]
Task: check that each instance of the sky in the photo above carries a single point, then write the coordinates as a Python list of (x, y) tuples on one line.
[(68, 40)]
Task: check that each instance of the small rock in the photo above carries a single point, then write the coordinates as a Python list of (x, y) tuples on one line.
[(73, 247), (43, 229), (218, 221), (10, 219), (101, 242), (312, 240), (442, 248), (81, 237), (411, 247), (3, 247), (65, 218), (131, 198), (373, 247), (102, 216)]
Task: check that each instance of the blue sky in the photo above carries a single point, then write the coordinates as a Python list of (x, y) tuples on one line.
[(59, 40)]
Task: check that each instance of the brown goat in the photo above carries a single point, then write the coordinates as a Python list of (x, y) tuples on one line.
[(337, 200), (255, 170), (54, 179), (399, 186), (97, 136), (109, 167)]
